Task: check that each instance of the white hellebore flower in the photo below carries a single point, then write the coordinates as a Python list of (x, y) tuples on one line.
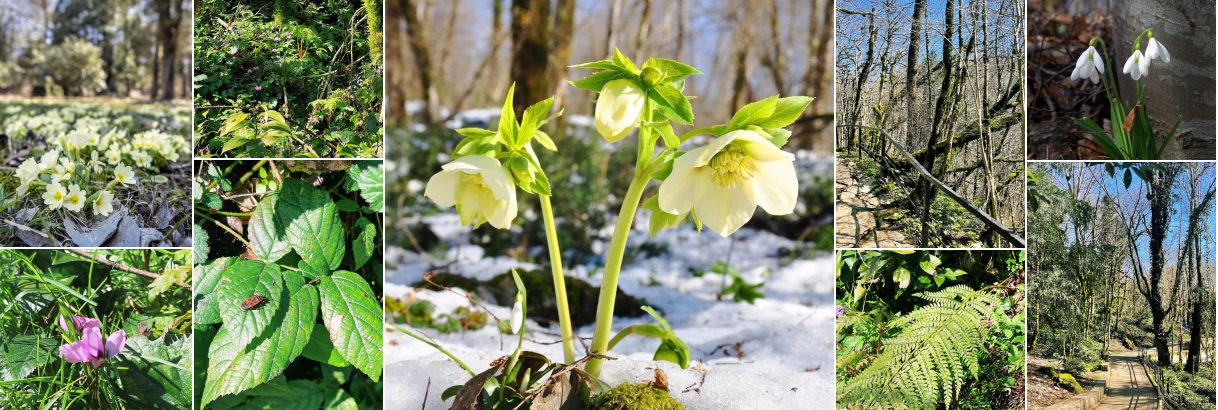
[(725, 181), (1137, 65), (104, 204), (75, 200), (1156, 50), (479, 187), (618, 109), (1089, 65), (124, 174), (54, 195), (517, 316)]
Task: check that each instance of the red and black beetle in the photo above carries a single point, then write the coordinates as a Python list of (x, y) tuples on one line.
[(252, 302)]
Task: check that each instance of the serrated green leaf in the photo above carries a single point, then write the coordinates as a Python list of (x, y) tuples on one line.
[(347, 205), (754, 113), (365, 242), (267, 238), (21, 354), (207, 280), (369, 176), (285, 395), (148, 382), (507, 118), (786, 111), (597, 81), (233, 368), (338, 399), (321, 349), (240, 281), (532, 118), (353, 318), (545, 141), (199, 243), (622, 61), (213, 201), (778, 136), (310, 219), (606, 64), (673, 104), (673, 70)]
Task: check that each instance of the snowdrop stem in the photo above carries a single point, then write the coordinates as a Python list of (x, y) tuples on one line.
[(560, 282), (613, 266), (1109, 80)]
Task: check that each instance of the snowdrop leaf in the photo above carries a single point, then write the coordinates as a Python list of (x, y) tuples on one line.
[(240, 281), (235, 368), (353, 317), (21, 354), (310, 220), (786, 111), (149, 382), (321, 349), (673, 104), (365, 242), (266, 236), (369, 176), (754, 113)]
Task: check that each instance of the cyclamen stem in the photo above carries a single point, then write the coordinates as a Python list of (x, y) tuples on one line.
[(560, 281), (617, 245)]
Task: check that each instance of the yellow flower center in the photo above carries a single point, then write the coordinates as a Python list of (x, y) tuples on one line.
[(59, 196), (731, 166), (475, 181), (74, 199)]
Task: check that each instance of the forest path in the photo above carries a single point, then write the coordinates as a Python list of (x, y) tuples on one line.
[(1128, 385), (860, 216)]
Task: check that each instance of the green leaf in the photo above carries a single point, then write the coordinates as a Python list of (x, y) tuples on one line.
[(928, 263), (267, 237), (507, 118), (235, 122), (369, 176), (673, 104), (778, 136), (234, 143), (199, 243), (353, 317), (533, 117), (673, 70), (597, 81), (207, 280), (786, 111), (623, 62), (311, 221), (21, 354), (902, 277), (234, 367), (285, 395), (321, 349), (1128, 178), (347, 205), (365, 243), (240, 281), (338, 399), (213, 201), (606, 64), (545, 141), (754, 113), (150, 380)]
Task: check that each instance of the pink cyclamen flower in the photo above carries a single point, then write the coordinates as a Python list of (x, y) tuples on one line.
[(276, 38), (275, 50), (258, 88), (91, 348), (80, 322), (255, 68), (249, 71)]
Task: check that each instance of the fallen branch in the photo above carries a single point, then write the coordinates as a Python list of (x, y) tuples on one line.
[(125, 268)]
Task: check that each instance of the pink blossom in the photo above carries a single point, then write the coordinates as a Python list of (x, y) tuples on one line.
[(91, 348), (276, 38), (255, 68), (275, 50), (80, 322), (249, 71), (258, 88)]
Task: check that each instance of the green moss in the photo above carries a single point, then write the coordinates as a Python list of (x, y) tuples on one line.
[(1049, 370), (1068, 381), (635, 396)]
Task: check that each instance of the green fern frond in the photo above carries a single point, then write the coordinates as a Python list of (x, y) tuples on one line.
[(935, 351)]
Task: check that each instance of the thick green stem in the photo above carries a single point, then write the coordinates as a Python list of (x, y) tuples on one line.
[(560, 281), (613, 266)]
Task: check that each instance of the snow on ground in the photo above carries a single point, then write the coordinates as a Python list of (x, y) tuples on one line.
[(775, 354)]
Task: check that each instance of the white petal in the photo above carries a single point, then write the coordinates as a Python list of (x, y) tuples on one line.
[(1166, 56), (1074, 75), (1144, 65), (776, 186), (725, 210), (469, 203), (683, 188), (701, 156), (1098, 62), (618, 109), (1130, 63), (1095, 77), (762, 149), (442, 188), (500, 213), (500, 184), (1082, 58), (472, 164)]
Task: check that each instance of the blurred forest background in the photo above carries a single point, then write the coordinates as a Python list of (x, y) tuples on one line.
[(944, 78), (121, 48), (455, 55)]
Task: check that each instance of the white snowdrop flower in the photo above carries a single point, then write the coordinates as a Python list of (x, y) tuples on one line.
[(725, 181), (1156, 50), (1137, 65), (618, 109), (1089, 65), (517, 316), (479, 187)]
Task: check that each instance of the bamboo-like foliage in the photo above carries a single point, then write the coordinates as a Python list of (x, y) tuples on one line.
[(935, 350)]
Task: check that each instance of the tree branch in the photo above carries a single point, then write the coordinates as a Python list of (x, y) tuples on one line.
[(125, 268)]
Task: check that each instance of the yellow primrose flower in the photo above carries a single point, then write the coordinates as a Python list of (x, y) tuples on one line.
[(49, 160), (75, 199), (28, 171), (479, 187), (725, 181), (104, 204), (124, 174), (113, 156), (54, 195)]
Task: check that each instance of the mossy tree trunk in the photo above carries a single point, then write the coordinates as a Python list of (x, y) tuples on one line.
[(531, 60)]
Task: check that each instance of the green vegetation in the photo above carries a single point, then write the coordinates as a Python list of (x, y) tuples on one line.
[(924, 329), (150, 311), (304, 81), (306, 284)]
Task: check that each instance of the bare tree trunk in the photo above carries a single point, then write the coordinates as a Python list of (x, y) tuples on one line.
[(776, 63), (680, 28), (911, 66), (643, 34), (498, 82), (531, 46), (395, 86), (615, 11), (564, 29), (929, 193), (169, 18), (417, 38), (454, 8), (156, 70)]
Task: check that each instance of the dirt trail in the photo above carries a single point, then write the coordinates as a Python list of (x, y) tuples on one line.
[(861, 220), (1128, 385)]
